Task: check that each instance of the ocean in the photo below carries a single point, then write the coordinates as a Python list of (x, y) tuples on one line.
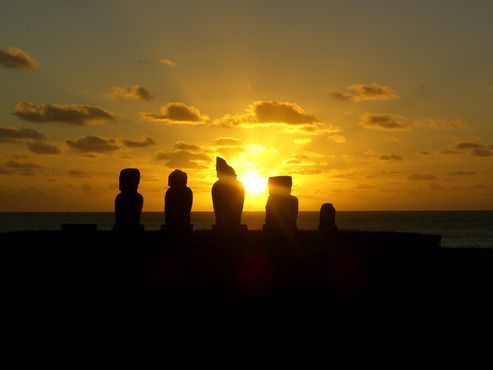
[(459, 229)]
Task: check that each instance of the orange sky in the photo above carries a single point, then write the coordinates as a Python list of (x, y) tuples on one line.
[(374, 107)]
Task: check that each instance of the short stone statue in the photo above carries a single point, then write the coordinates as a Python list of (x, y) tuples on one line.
[(128, 203), (281, 208), (178, 201), (327, 217)]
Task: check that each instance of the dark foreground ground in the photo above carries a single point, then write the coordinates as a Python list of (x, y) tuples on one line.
[(244, 271)]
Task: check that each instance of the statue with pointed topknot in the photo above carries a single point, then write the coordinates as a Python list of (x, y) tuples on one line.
[(178, 201), (228, 195), (128, 204)]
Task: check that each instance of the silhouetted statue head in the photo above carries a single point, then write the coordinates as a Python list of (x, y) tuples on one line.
[(228, 196), (224, 171), (177, 179), (280, 185), (327, 217), (128, 204), (178, 202), (281, 210), (129, 180)]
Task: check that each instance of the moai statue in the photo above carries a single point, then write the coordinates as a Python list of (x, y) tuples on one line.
[(228, 195), (327, 218), (128, 204), (281, 210), (178, 202)]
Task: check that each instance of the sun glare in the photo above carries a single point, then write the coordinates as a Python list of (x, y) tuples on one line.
[(254, 183)]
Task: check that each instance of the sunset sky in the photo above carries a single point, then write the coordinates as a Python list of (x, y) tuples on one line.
[(370, 105)]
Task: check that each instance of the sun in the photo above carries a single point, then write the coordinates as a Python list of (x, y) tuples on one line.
[(254, 183)]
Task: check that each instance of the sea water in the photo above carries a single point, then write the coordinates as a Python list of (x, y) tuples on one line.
[(469, 229)]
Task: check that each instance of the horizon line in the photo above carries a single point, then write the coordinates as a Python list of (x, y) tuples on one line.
[(259, 211)]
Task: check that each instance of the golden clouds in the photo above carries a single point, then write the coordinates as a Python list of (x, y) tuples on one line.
[(390, 157), (176, 113), (227, 141), (421, 177), (167, 62), (13, 166), (268, 112), (136, 92), (366, 92), (93, 144), (11, 134), (302, 141), (41, 147), (384, 122), (17, 59), (337, 138), (441, 124), (185, 155), (144, 142), (70, 114)]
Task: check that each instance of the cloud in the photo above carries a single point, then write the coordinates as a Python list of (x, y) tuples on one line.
[(384, 122), (78, 174), (227, 141), (304, 163), (315, 129), (167, 62), (145, 142), (449, 152), (461, 173), (435, 186), (265, 113), (17, 59), (292, 162), (337, 138), (41, 147), (185, 146), (10, 134), (366, 92), (71, 114), (176, 113), (21, 165), (421, 177), (136, 92), (302, 141), (268, 112), (5, 171), (281, 112), (481, 153), (445, 125), (307, 156), (93, 144), (13, 166), (304, 171), (229, 147), (390, 157), (184, 156), (475, 149), (469, 145)]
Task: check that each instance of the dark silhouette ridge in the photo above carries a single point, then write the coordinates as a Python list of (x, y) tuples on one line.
[(281, 210), (178, 202), (327, 218), (228, 195), (128, 204), (79, 228)]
